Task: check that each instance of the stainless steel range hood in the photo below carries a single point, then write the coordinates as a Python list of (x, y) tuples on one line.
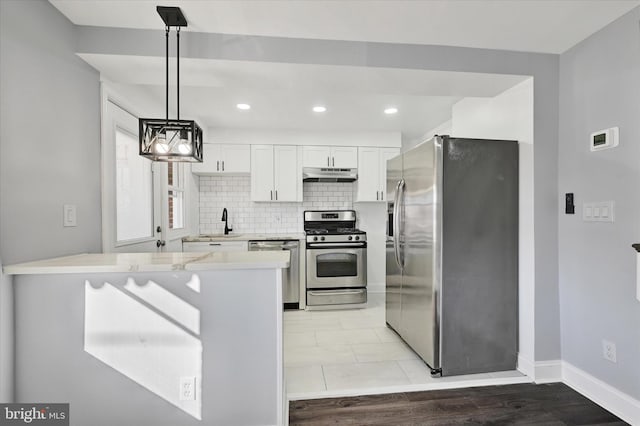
[(317, 174)]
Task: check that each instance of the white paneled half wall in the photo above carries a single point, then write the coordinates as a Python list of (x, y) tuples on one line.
[(246, 216)]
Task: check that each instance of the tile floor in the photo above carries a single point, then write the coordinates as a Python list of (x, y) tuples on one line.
[(332, 351)]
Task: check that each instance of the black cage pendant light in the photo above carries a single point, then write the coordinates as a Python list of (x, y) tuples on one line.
[(164, 139)]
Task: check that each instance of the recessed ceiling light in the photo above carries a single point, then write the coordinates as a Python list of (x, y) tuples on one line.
[(391, 110), (319, 108), (243, 106)]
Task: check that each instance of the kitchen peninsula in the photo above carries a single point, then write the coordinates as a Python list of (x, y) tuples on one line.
[(174, 338)]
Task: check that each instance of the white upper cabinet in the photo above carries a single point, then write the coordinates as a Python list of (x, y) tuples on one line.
[(287, 179), (262, 167), (385, 155), (235, 158), (343, 157), (276, 174), (224, 159), (372, 173), (316, 156), (368, 183)]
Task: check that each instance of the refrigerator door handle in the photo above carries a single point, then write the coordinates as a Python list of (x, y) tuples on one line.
[(401, 222), (396, 223)]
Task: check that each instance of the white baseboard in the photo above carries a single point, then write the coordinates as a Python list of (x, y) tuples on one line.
[(526, 367), (541, 371), (548, 371), (619, 403)]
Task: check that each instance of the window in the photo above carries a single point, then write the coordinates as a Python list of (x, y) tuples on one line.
[(144, 203), (134, 189), (176, 189)]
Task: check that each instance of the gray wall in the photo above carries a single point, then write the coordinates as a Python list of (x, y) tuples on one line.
[(239, 347), (49, 156), (6, 339), (600, 88), (49, 149), (543, 67), (49, 136)]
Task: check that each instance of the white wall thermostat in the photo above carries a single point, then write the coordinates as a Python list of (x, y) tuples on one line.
[(604, 139)]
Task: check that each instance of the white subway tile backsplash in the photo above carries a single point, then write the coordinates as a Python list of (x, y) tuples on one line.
[(245, 216)]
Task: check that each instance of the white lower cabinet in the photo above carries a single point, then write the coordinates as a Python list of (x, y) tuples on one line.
[(203, 246), (276, 173), (372, 173)]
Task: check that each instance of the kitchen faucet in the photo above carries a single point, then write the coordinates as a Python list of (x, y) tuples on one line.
[(226, 223)]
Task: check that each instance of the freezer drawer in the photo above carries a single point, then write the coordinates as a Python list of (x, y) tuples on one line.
[(336, 297)]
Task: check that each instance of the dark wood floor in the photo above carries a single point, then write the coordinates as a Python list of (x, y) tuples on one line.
[(523, 404)]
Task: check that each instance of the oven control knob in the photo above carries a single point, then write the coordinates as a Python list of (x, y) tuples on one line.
[(350, 238), (315, 238), (357, 238), (321, 238)]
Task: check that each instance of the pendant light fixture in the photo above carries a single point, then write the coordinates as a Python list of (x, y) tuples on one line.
[(164, 139)]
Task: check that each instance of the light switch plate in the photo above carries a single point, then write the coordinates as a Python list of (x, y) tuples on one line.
[(69, 215), (638, 277), (600, 211)]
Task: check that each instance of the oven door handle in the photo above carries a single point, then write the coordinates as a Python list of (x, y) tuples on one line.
[(336, 245), (335, 293)]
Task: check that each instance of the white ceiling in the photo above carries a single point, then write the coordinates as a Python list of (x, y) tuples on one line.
[(282, 94), (550, 26)]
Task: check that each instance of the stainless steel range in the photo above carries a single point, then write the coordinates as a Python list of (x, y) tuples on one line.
[(336, 260)]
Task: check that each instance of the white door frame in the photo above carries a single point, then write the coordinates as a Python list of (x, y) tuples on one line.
[(116, 113)]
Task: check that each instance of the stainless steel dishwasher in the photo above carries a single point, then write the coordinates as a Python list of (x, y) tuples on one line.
[(290, 277)]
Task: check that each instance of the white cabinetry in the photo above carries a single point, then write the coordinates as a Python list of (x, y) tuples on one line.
[(276, 174), (372, 173), (204, 246), (224, 159), (316, 156), (343, 157)]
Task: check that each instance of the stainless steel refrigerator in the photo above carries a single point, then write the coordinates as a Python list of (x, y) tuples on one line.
[(452, 253)]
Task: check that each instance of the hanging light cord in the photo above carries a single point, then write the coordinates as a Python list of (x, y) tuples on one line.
[(178, 69), (167, 28)]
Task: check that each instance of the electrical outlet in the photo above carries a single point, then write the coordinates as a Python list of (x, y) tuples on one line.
[(609, 351), (187, 388)]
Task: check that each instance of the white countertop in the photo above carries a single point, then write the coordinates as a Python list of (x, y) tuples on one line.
[(152, 262), (242, 237)]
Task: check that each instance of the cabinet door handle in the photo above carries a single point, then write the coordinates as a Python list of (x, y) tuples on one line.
[(328, 163), (223, 165), (377, 195), (215, 244), (218, 165), (333, 161), (381, 195), (276, 195), (271, 194)]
